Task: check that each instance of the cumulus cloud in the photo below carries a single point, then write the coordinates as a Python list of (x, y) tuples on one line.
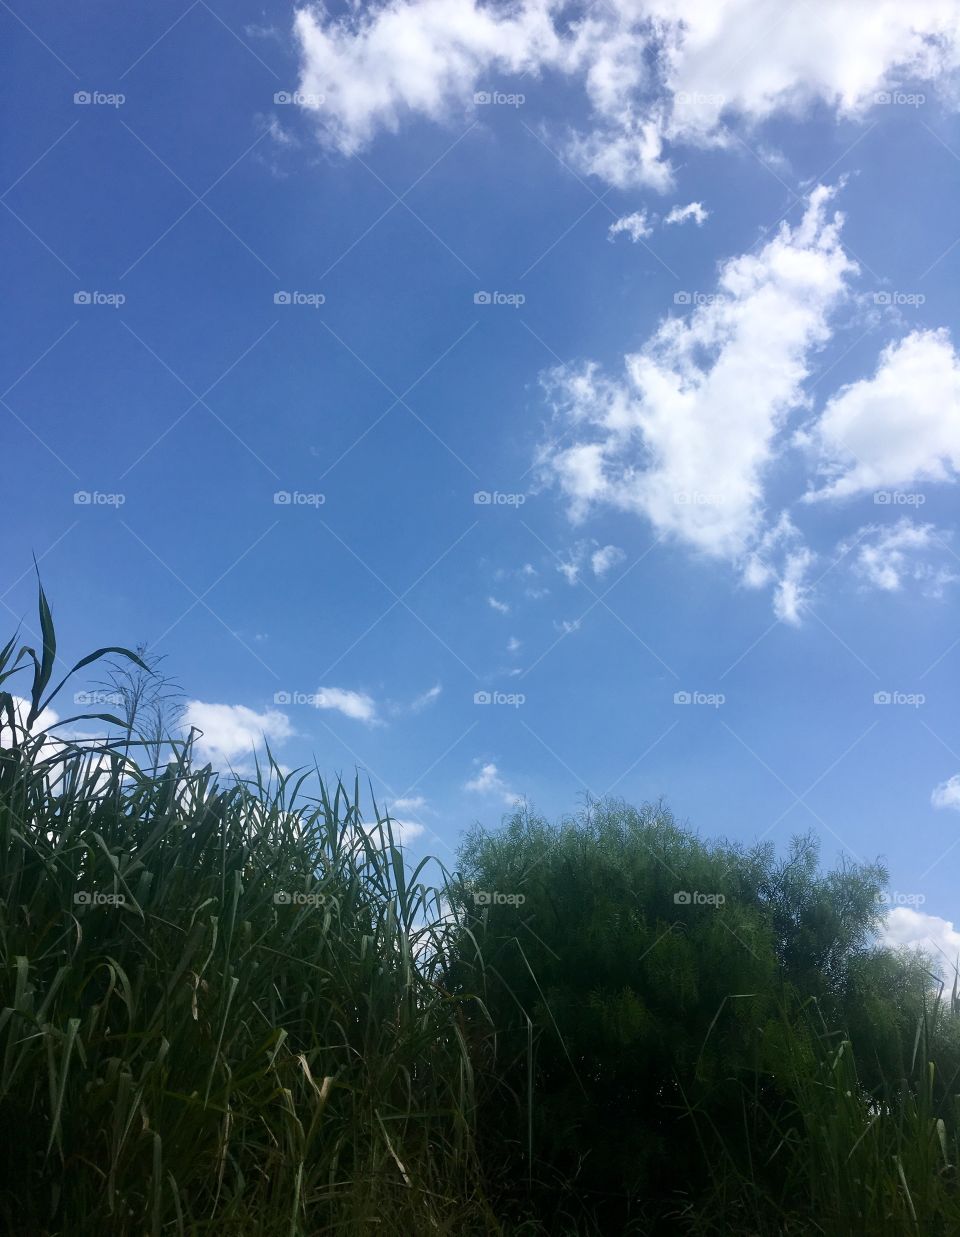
[(232, 732), (381, 64), (21, 709), (636, 226), (947, 794), (652, 71), (842, 55), (693, 210), (685, 438), (899, 427), (888, 555), (935, 936), (501, 607), (412, 803), (489, 782), (356, 705), (602, 559), (405, 830)]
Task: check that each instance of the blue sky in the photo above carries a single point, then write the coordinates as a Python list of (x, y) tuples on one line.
[(672, 283)]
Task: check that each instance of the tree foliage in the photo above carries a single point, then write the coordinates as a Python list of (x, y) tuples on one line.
[(654, 994)]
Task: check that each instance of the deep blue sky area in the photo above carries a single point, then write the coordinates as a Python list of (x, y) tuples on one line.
[(380, 384)]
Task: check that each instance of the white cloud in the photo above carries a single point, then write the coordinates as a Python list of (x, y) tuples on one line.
[(379, 65), (627, 158), (413, 803), (604, 558), (232, 732), (947, 794), (489, 782), (21, 708), (513, 645), (356, 705), (781, 558), (405, 830), (839, 54), (501, 607), (693, 210), (569, 568), (887, 555), (637, 226), (686, 438), (427, 698), (935, 936), (600, 560), (898, 428), (278, 134), (792, 590), (652, 70)]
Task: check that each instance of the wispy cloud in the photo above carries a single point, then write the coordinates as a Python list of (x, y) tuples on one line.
[(693, 210), (427, 698)]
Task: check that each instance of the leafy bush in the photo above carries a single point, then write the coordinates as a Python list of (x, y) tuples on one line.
[(672, 1032)]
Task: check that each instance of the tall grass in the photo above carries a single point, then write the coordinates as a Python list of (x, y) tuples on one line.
[(219, 1007), (835, 1158)]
